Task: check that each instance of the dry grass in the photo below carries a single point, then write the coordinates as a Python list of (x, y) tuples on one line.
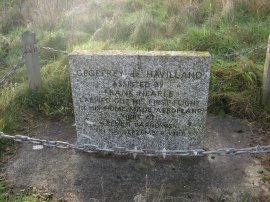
[(89, 16), (177, 24), (44, 14), (259, 8), (146, 29), (114, 29), (147, 25)]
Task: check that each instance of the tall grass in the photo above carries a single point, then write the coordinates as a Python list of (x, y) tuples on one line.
[(54, 97), (258, 9), (18, 105), (134, 24)]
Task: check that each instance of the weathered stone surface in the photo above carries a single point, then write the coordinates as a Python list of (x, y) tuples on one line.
[(152, 100)]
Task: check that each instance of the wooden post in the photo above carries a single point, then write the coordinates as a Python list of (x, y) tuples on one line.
[(31, 59), (228, 8), (266, 78)]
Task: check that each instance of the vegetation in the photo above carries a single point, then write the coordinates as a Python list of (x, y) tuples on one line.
[(175, 25), (30, 195), (236, 81)]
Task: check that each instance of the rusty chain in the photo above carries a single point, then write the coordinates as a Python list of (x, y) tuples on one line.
[(122, 151)]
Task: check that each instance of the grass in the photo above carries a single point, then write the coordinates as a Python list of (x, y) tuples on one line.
[(53, 99), (7, 194), (136, 25), (170, 25), (27, 195)]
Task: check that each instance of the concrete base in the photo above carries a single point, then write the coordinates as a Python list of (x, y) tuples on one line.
[(77, 176)]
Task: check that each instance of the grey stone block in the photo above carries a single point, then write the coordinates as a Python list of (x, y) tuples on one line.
[(152, 100)]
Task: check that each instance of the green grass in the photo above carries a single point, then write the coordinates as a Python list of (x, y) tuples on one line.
[(236, 82), (171, 25), (236, 89), (53, 99), (29, 195)]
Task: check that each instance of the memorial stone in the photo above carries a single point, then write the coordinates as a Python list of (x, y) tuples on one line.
[(148, 100)]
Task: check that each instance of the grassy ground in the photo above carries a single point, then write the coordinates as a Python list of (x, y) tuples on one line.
[(7, 194), (236, 81), (29, 195)]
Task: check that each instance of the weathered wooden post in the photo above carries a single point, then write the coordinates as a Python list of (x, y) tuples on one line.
[(31, 59), (266, 78), (228, 8)]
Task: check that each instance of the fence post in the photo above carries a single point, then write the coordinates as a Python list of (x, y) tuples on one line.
[(31, 59), (266, 78), (228, 8)]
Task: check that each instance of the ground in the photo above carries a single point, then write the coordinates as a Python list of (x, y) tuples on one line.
[(78, 176)]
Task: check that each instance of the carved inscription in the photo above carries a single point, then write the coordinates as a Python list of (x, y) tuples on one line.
[(125, 103), (150, 98)]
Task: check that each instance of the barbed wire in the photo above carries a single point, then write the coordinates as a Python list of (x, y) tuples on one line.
[(122, 151), (9, 74)]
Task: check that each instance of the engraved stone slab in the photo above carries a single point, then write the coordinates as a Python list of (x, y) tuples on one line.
[(152, 100)]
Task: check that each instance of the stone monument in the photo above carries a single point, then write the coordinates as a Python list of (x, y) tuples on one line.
[(151, 100)]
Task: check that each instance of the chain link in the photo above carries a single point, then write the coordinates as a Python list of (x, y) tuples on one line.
[(53, 50), (226, 55), (122, 151), (134, 152), (20, 60), (240, 52), (8, 75)]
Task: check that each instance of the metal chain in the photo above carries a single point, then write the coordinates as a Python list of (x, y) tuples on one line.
[(20, 60), (226, 55), (122, 151), (242, 51), (53, 50), (8, 75)]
